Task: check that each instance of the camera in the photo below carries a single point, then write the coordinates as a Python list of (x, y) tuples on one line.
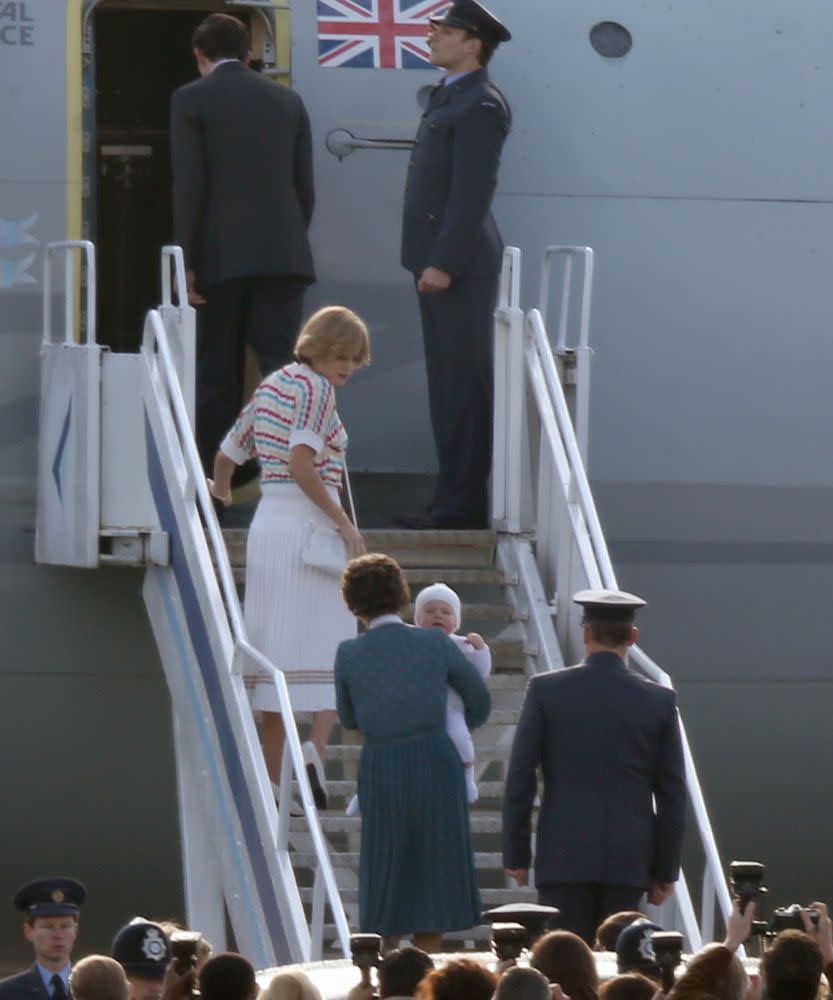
[(184, 951), (365, 950), (746, 878), (535, 918), (508, 941), (668, 949), (789, 917)]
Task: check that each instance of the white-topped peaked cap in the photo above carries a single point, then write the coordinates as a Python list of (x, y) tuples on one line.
[(608, 605)]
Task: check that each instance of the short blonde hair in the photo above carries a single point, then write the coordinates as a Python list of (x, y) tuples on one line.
[(290, 985), (98, 977), (333, 332)]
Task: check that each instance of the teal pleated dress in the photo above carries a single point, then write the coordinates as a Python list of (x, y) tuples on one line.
[(416, 870)]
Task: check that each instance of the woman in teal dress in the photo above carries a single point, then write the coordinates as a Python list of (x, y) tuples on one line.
[(416, 871)]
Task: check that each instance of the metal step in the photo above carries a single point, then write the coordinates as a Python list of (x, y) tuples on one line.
[(350, 859), (335, 823), (345, 789), (489, 897), (409, 548)]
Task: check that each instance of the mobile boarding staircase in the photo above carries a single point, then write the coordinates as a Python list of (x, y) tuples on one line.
[(120, 482)]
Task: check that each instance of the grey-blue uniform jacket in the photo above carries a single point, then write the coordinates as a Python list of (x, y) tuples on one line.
[(447, 220), (607, 741), (26, 985)]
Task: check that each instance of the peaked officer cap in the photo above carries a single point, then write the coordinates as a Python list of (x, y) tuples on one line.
[(50, 897), (474, 18), (608, 605), (142, 949)]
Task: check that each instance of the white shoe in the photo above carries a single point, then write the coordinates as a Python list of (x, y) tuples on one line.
[(472, 792), (353, 807), (315, 772), (295, 807)]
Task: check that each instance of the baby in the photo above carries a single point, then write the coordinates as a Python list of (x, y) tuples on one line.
[(438, 606)]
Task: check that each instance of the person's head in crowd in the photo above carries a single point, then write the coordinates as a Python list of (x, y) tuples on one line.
[(290, 985), (98, 977), (220, 36), (523, 984), (792, 967), (628, 986), (635, 949), (608, 619), (438, 606), (334, 342), (142, 949), (204, 949), (565, 959), (374, 585), (730, 984), (461, 977), (402, 970), (228, 976), (609, 930), (51, 907)]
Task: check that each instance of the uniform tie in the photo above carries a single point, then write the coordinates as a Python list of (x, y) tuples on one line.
[(58, 991)]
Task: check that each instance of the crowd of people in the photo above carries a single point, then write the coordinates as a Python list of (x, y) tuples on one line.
[(147, 961)]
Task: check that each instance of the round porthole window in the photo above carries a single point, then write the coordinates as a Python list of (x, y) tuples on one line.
[(610, 39)]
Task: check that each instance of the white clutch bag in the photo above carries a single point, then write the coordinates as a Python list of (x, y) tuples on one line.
[(325, 549)]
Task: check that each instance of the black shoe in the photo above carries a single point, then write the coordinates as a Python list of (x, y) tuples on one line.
[(315, 772)]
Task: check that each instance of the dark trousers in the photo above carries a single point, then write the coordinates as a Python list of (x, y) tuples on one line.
[(262, 312), (458, 337), (585, 905)]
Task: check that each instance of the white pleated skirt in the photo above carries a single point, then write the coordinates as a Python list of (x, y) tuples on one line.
[(294, 615)]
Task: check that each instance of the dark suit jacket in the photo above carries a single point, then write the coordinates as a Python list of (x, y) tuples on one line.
[(242, 177), (607, 741), (447, 220), (26, 985)]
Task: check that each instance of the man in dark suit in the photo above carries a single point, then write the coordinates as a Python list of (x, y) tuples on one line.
[(51, 906), (608, 744), (243, 198), (451, 245)]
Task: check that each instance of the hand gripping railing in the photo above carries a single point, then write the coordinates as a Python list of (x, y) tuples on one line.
[(65, 247), (597, 571), (244, 653)]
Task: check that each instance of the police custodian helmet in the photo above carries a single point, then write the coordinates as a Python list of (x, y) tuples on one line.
[(142, 949)]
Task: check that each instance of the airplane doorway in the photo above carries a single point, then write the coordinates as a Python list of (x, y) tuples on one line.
[(141, 56)]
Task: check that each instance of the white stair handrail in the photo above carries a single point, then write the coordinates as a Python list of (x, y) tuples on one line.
[(156, 337), (598, 569), (66, 247)]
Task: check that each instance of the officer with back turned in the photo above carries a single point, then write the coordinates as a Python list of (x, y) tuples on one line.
[(451, 245), (51, 907)]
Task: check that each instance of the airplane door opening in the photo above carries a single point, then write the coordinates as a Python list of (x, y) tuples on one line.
[(141, 56)]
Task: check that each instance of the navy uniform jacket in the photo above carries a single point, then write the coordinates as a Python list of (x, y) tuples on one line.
[(447, 220), (26, 985), (607, 741), (241, 154)]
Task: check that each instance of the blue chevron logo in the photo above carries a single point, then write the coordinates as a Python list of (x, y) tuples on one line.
[(59, 454)]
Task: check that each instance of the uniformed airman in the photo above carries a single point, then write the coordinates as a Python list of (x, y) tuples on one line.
[(451, 245), (51, 907)]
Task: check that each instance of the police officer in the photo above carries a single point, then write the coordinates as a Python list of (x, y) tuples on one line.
[(51, 906), (609, 746), (451, 245), (144, 952)]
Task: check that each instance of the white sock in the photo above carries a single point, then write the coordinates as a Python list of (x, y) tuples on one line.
[(353, 806), (471, 786)]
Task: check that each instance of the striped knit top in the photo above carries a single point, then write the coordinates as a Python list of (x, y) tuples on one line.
[(294, 405)]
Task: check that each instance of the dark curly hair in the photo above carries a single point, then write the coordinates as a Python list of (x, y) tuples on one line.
[(459, 978), (373, 585)]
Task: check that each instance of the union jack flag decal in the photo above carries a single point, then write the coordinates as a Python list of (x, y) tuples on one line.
[(375, 34)]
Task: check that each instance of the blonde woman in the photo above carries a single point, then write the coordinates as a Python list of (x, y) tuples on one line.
[(294, 613)]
